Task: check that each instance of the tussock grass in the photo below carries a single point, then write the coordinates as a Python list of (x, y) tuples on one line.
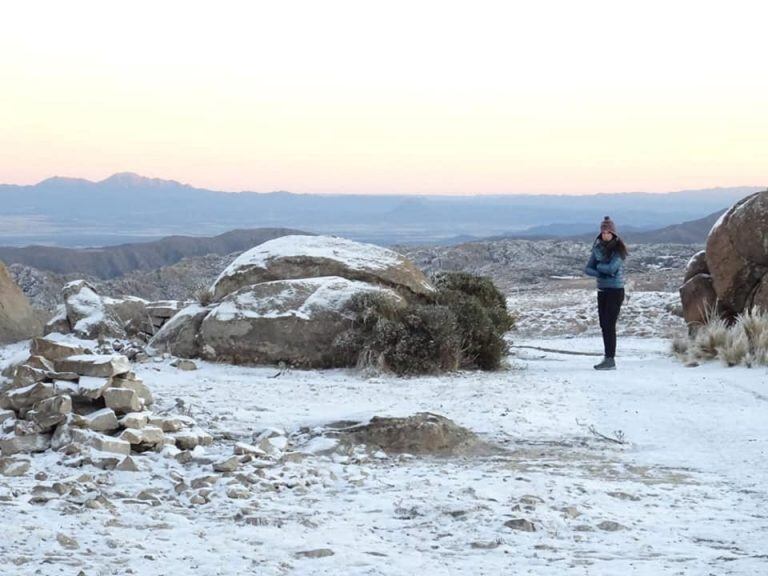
[(744, 341)]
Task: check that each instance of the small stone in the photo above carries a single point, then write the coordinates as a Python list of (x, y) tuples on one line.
[(7, 415), (480, 545), (67, 542), (122, 400), (91, 387), (135, 419), (102, 420), (571, 512), (145, 438), (135, 384), (40, 363), (127, 464), (51, 411), (26, 397), (238, 492), (99, 441), (26, 375), (317, 553), (611, 526), (228, 465), (241, 448), (103, 461), (183, 364), (166, 424), (520, 524), (13, 444), (13, 467)]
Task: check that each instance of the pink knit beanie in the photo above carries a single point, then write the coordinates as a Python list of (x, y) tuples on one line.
[(607, 225)]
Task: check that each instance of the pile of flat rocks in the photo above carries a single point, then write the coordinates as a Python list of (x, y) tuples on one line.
[(90, 407), (160, 311)]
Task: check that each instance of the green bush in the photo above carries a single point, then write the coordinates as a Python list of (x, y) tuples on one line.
[(463, 326)]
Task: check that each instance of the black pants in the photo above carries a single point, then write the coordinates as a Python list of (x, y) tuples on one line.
[(609, 302)]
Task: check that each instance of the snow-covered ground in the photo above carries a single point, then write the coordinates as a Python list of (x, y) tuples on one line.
[(686, 494)]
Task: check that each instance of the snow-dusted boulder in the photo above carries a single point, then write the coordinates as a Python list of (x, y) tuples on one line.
[(294, 257), (88, 314), (294, 321), (737, 255), (731, 275), (17, 318)]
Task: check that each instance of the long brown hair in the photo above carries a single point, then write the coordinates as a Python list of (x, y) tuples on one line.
[(615, 244)]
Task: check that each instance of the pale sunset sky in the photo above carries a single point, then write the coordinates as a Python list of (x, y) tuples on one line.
[(419, 97)]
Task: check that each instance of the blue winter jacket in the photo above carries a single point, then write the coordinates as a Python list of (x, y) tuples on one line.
[(608, 271)]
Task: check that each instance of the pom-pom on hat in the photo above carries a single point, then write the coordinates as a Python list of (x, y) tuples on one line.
[(607, 225)]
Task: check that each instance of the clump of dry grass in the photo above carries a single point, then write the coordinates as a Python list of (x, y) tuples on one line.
[(744, 341)]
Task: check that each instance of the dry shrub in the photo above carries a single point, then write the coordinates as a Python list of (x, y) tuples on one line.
[(463, 327), (710, 338), (680, 346), (736, 347)]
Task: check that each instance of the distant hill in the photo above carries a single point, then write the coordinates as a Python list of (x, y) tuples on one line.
[(126, 207), (114, 261), (691, 232)]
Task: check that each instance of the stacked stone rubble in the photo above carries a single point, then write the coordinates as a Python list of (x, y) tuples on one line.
[(91, 407)]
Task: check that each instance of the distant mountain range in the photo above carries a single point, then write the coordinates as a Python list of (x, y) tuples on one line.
[(130, 208), (115, 261)]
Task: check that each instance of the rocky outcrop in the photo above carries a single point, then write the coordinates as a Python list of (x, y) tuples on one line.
[(423, 433), (18, 320), (287, 300), (91, 316), (731, 276), (295, 257)]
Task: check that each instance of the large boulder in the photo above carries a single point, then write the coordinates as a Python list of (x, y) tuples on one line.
[(292, 320), (179, 335), (17, 318), (294, 257), (737, 254)]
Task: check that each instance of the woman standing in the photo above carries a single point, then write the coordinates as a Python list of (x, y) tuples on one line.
[(606, 263)]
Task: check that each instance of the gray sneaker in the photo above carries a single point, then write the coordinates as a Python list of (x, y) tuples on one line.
[(606, 364)]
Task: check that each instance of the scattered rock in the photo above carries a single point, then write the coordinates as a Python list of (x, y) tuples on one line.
[(520, 524), (13, 466), (317, 553), (122, 400), (422, 433), (67, 542), (184, 364), (103, 420), (11, 444), (610, 526), (229, 465), (102, 366)]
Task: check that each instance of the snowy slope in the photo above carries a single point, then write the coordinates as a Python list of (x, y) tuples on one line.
[(687, 491)]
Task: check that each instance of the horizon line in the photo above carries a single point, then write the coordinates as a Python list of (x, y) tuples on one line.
[(137, 176)]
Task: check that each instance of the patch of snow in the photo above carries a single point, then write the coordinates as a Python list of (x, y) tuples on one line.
[(354, 255), (325, 293)]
